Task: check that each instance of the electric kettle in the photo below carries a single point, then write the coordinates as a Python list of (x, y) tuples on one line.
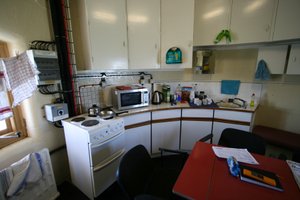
[(157, 97)]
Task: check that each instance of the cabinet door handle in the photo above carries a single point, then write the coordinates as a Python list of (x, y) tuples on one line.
[(124, 44), (268, 27), (158, 54), (112, 159)]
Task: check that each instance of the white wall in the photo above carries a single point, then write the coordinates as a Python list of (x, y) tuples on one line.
[(22, 22)]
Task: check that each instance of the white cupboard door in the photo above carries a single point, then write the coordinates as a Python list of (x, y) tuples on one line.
[(192, 131), (218, 128), (251, 20), (138, 130), (275, 58), (211, 17), (108, 33), (177, 21), (139, 135), (143, 33), (165, 134), (294, 60), (233, 115), (287, 20)]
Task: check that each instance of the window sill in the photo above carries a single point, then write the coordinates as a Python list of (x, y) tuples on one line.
[(8, 141)]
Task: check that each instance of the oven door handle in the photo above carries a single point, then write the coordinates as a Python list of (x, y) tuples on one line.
[(107, 141), (114, 157)]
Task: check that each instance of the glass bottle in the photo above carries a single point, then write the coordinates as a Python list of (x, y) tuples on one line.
[(252, 101), (178, 93)]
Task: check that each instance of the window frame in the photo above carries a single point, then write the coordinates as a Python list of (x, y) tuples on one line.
[(8, 127), (16, 123)]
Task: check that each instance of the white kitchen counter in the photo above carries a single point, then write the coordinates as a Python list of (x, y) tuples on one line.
[(166, 106)]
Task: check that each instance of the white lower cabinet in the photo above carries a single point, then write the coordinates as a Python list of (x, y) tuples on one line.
[(176, 128), (230, 119), (196, 123), (165, 129), (138, 130)]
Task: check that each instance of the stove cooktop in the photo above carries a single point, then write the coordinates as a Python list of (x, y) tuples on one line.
[(78, 119), (89, 123)]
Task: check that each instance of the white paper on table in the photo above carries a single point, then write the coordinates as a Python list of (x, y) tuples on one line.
[(295, 167), (241, 155)]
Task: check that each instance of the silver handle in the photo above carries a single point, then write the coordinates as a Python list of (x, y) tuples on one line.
[(111, 139), (14, 135), (114, 157)]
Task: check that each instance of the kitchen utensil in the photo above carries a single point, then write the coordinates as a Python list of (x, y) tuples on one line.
[(157, 98), (93, 111), (106, 114)]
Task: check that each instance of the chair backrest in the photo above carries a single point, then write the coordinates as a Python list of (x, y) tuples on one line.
[(135, 169), (235, 138)]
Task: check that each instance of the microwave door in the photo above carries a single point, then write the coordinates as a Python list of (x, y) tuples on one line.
[(130, 99)]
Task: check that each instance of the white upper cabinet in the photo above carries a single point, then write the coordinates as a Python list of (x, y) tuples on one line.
[(287, 24), (144, 33), (211, 17), (251, 20), (274, 56), (177, 21), (294, 60), (247, 20), (107, 33)]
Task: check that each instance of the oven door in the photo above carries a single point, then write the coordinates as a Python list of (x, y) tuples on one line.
[(105, 159)]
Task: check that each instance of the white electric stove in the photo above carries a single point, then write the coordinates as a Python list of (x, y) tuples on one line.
[(95, 147)]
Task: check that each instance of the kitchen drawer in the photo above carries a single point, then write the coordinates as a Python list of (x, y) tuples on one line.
[(137, 118), (197, 113), (166, 114), (233, 115)]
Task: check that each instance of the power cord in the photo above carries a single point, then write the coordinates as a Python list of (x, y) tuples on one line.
[(58, 124)]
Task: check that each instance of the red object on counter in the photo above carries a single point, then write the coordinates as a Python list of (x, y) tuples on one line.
[(129, 87), (205, 176), (123, 87)]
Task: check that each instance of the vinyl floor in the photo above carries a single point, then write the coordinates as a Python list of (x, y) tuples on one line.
[(69, 192)]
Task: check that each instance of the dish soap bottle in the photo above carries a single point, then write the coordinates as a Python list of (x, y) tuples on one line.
[(252, 101), (178, 93)]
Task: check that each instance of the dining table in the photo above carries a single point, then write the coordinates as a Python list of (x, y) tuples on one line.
[(206, 176)]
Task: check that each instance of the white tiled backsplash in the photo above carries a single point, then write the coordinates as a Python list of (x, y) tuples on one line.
[(211, 88)]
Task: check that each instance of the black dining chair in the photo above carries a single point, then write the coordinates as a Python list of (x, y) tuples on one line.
[(180, 155), (235, 138), (140, 178)]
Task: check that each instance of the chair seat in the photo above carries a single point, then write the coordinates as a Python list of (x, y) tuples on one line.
[(141, 177), (162, 182)]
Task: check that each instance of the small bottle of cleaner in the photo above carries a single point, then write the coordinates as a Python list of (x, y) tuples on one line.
[(252, 101)]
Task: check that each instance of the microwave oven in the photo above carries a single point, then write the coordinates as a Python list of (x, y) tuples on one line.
[(129, 98)]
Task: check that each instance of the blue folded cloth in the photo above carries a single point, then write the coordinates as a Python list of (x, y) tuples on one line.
[(262, 71), (230, 87)]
